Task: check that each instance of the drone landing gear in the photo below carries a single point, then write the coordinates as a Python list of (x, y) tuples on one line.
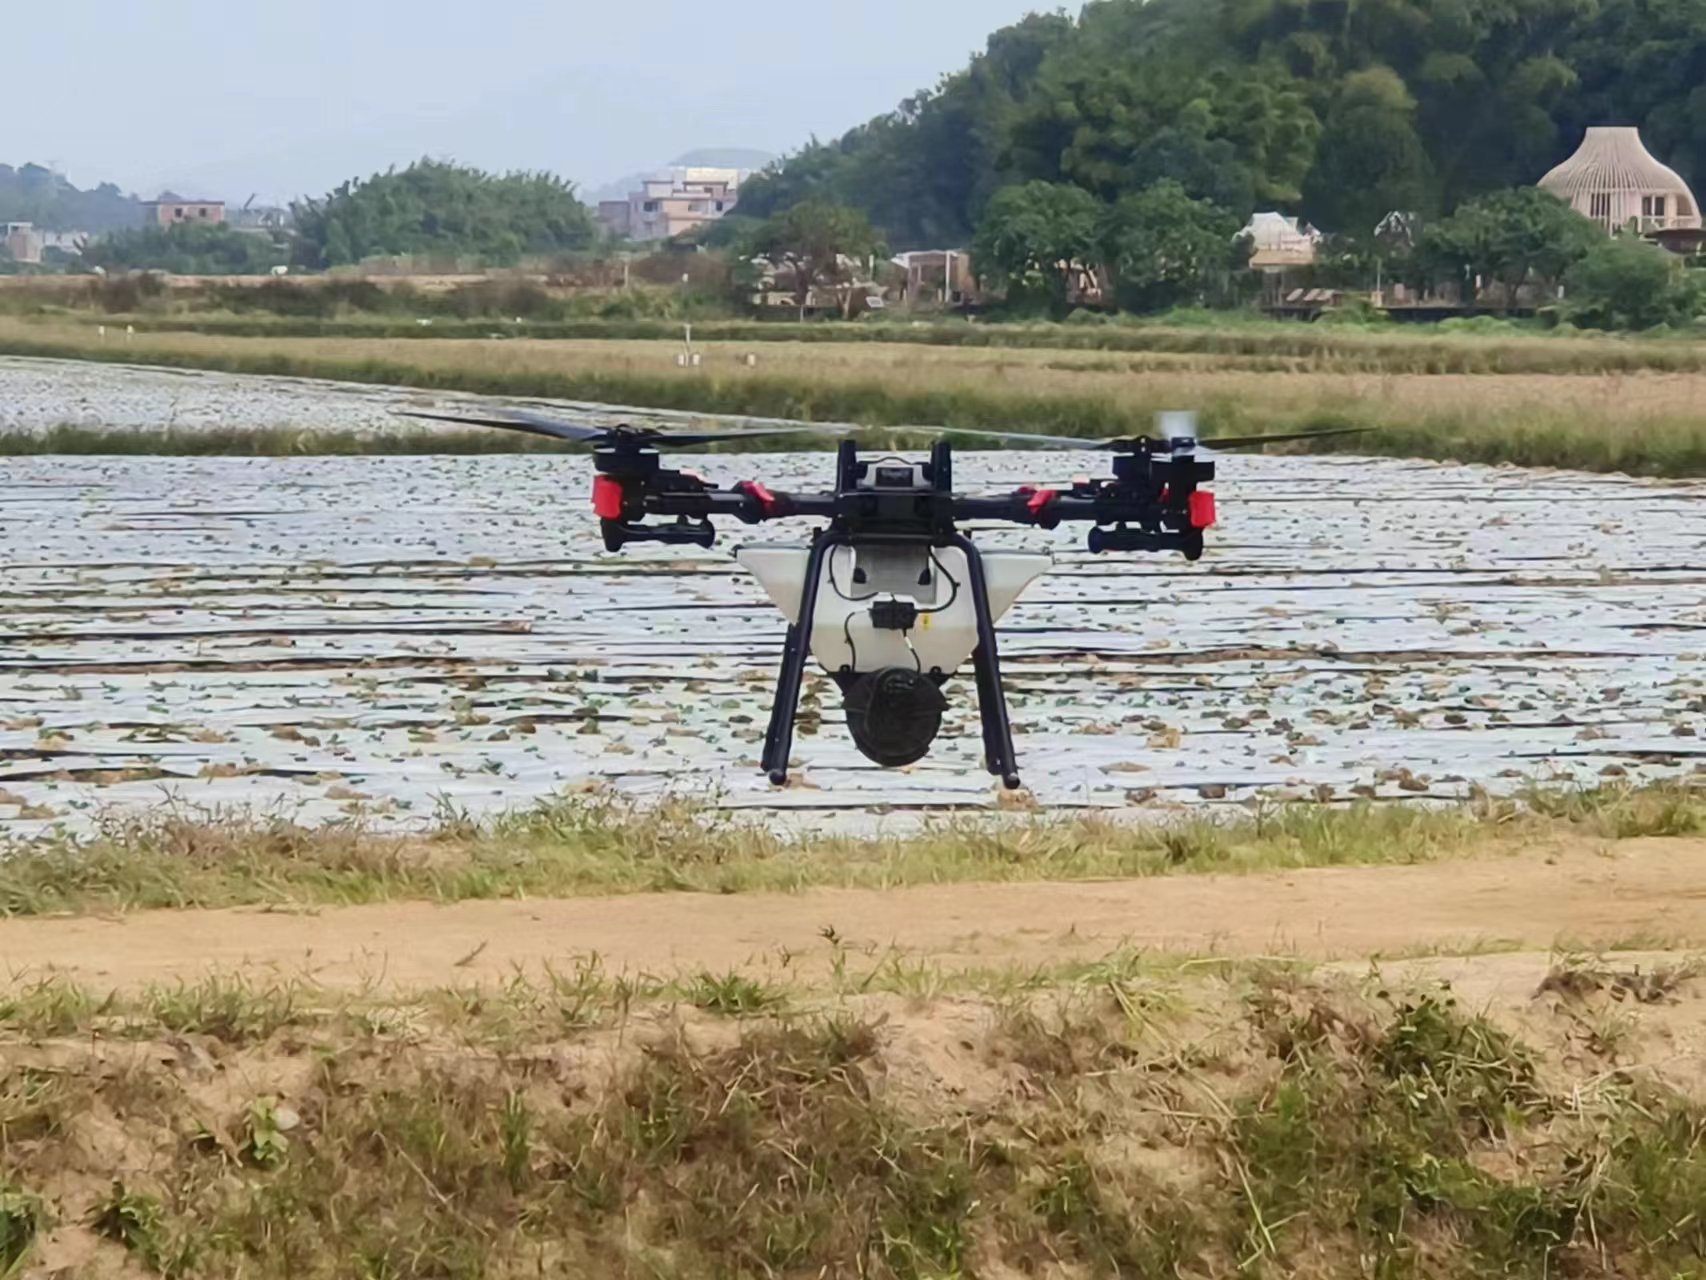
[(998, 754), (779, 740)]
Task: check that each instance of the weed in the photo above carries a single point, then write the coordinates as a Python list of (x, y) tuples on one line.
[(228, 1008), (515, 1126), (22, 1218), (1626, 812), (52, 1006), (135, 1220), (264, 1143), (733, 995)]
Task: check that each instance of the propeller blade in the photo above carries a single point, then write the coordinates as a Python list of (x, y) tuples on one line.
[(1255, 442), (688, 439), (533, 425), (549, 426), (1021, 437), (1160, 446), (540, 424)]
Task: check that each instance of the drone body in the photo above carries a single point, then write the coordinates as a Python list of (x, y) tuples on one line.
[(891, 595)]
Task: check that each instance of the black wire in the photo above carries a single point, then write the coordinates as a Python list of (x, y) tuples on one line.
[(953, 581), (847, 621), (836, 586)]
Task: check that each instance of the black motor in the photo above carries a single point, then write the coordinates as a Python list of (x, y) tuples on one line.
[(894, 715)]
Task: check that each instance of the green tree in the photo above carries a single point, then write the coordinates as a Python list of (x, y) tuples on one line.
[(1509, 238), (1034, 237), (1163, 249), (825, 245), (435, 208), (187, 249), (1627, 283), (1372, 161)]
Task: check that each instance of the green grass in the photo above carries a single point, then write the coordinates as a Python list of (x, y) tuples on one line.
[(596, 845)]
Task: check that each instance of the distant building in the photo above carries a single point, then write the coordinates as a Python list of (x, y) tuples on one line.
[(28, 243), (169, 211), (260, 218), (672, 203), (22, 242), (938, 275), (1278, 243), (1614, 180), (1398, 230)]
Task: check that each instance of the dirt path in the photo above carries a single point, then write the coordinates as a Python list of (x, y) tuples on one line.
[(1650, 892)]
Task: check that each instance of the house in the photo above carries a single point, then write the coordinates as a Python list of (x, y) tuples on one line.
[(170, 210), (1398, 230), (1279, 243), (27, 243), (1614, 180), (262, 218), (22, 242), (672, 203), (937, 275)]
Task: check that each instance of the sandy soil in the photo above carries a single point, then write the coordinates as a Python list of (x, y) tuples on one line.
[(1646, 892)]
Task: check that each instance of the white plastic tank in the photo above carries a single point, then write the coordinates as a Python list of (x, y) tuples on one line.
[(936, 580)]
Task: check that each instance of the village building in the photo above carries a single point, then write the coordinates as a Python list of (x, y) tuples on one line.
[(170, 211), (937, 275), (1279, 243), (672, 203), (1614, 180)]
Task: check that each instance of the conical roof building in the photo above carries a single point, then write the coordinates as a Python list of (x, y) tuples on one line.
[(1616, 181)]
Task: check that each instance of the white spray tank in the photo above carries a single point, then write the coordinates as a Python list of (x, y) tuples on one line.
[(936, 580)]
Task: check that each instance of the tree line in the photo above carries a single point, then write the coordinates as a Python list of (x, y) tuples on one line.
[(431, 209)]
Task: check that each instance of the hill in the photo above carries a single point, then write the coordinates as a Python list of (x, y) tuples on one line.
[(33, 193), (1340, 110)]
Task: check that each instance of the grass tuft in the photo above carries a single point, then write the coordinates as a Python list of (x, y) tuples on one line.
[(733, 995)]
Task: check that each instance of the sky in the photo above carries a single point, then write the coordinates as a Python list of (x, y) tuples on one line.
[(216, 99)]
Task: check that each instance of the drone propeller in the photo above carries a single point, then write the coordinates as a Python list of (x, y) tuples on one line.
[(1138, 443), (620, 436)]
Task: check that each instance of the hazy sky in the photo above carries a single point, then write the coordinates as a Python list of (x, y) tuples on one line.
[(217, 98)]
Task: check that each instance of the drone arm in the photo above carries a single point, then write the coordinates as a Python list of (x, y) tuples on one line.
[(624, 501), (1125, 516)]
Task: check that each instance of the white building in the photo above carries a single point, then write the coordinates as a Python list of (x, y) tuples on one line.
[(1278, 242), (673, 202), (1617, 182)]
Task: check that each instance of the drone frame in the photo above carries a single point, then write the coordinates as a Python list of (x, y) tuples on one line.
[(1152, 503)]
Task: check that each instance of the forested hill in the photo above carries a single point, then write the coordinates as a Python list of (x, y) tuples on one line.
[(1340, 110), (32, 193)]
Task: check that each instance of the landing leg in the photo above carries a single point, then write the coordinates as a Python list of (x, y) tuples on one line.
[(779, 740), (998, 755)]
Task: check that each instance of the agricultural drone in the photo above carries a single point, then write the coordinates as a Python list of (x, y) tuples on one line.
[(891, 596)]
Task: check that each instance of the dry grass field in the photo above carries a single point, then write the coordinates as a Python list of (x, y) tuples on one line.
[(1649, 421)]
